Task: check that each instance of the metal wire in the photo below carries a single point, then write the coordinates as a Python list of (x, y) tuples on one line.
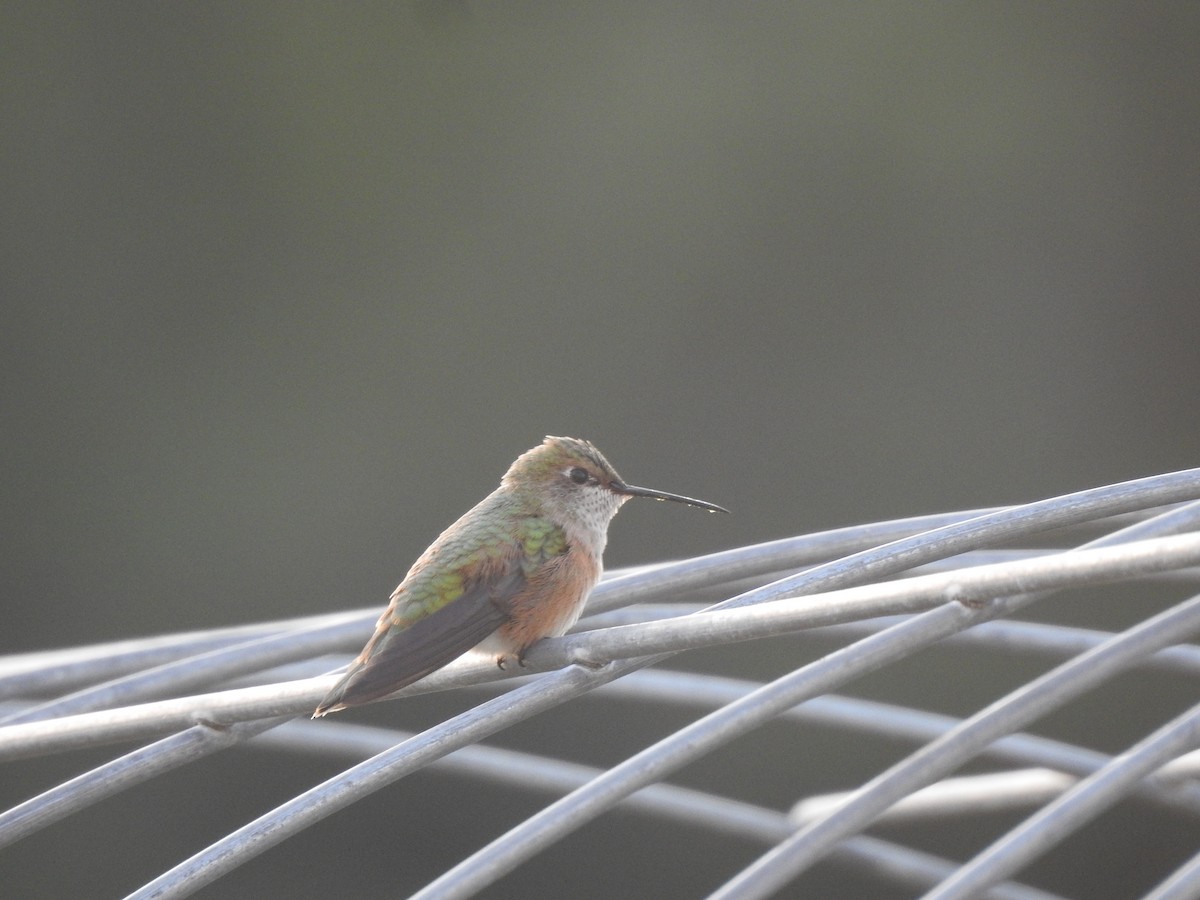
[(832, 586)]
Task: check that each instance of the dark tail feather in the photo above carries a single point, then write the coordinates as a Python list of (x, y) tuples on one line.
[(405, 655), (362, 685)]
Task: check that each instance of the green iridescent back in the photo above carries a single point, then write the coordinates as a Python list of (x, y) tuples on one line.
[(486, 542)]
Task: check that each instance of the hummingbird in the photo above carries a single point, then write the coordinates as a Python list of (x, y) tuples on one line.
[(516, 568)]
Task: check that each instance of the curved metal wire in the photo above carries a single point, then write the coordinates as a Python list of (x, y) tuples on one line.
[(841, 591)]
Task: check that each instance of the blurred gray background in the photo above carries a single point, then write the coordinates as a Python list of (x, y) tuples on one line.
[(287, 286)]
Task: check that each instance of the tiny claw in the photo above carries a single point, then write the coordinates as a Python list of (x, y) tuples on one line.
[(502, 661)]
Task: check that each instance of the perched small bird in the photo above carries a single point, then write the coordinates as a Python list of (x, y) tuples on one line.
[(516, 568)]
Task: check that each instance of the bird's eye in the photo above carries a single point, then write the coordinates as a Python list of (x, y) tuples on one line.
[(578, 475)]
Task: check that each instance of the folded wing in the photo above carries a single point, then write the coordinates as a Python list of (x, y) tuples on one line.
[(407, 652)]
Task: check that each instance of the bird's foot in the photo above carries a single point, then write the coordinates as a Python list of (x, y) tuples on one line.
[(502, 661)]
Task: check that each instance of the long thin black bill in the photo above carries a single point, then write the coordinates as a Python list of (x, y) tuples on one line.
[(621, 488)]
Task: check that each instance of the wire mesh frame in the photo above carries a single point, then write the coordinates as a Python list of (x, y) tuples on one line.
[(111, 693)]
